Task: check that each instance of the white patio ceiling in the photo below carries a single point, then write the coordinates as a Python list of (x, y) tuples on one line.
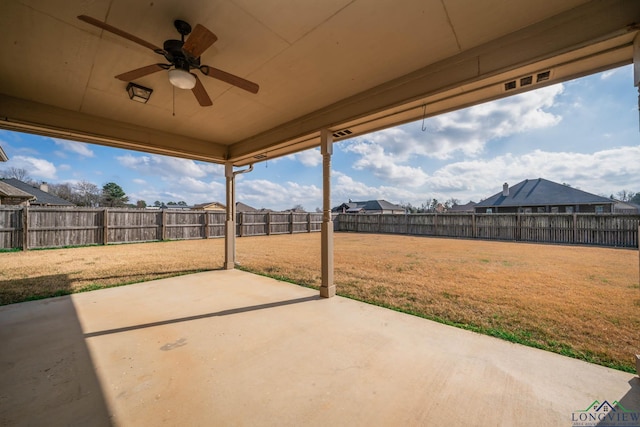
[(351, 66)]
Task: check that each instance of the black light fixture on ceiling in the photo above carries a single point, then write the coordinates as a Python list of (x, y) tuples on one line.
[(139, 93)]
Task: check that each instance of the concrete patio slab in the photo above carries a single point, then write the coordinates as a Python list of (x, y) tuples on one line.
[(233, 348)]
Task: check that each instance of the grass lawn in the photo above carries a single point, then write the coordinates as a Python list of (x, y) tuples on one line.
[(579, 301)]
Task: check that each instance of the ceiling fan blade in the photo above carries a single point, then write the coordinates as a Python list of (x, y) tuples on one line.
[(230, 78), (118, 32), (140, 72), (199, 40), (201, 94)]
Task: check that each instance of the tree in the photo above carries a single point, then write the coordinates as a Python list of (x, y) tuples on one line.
[(64, 191), (113, 195), (86, 194), (625, 195), (141, 204), (451, 202), (157, 203), (182, 203), (635, 198), (298, 208), (409, 208), (16, 173)]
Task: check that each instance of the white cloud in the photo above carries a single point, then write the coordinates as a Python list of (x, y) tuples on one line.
[(603, 173), (310, 158), (169, 167), (36, 168), (79, 148), (391, 154), (607, 74), (373, 159), (261, 193)]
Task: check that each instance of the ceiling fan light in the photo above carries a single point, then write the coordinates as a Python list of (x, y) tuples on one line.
[(182, 79)]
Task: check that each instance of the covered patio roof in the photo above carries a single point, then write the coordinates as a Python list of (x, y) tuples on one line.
[(349, 66)]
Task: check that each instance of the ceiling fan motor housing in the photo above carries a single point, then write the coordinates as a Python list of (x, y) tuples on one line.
[(178, 57)]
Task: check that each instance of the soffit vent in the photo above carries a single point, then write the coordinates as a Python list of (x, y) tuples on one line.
[(527, 80), (342, 133), (260, 157)]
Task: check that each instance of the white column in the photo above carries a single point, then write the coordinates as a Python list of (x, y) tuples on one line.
[(230, 224), (327, 287)]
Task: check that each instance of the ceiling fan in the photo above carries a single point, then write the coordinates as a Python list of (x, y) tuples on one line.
[(183, 56)]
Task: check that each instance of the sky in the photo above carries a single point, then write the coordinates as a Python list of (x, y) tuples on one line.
[(584, 133)]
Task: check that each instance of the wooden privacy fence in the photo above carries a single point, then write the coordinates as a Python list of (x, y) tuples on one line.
[(34, 228), (618, 230)]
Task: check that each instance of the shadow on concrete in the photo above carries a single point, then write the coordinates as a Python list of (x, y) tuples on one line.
[(630, 402), (203, 316), (14, 291), (47, 375)]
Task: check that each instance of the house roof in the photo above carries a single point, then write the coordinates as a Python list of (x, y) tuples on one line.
[(626, 207), (349, 66), (369, 205), (41, 197), (468, 207), (542, 192), (209, 204), (8, 190), (241, 207)]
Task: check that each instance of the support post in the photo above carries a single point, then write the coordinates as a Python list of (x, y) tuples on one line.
[(230, 224), (327, 288)]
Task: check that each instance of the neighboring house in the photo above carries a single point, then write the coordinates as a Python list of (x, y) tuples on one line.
[(211, 206), (369, 207), (10, 195), (241, 207), (466, 208), (543, 196), (219, 207), (625, 207), (41, 195)]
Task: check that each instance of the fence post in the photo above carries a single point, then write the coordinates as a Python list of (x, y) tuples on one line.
[(291, 223), (309, 222), (206, 224), (435, 224), (474, 228), (25, 228), (268, 223), (105, 226), (164, 224)]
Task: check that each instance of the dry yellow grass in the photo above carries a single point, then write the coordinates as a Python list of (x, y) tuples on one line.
[(580, 301)]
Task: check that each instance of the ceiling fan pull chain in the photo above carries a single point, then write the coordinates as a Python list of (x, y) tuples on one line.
[(174, 100), (424, 115)]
